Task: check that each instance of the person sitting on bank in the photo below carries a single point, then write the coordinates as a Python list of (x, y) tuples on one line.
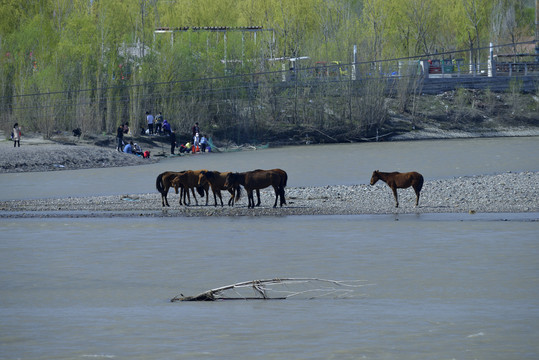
[(166, 127), (128, 149), (185, 148), (137, 150)]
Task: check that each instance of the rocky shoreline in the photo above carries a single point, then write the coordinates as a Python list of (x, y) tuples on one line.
[(65, 153), (32, 157), (500, 193)]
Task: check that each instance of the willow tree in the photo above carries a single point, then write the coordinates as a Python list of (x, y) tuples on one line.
[(476, 25), (511, 22), (375, 22)]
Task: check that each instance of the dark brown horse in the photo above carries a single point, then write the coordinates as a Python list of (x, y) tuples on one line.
[(397, 180), (164, 182), (284, 180), (188, 180), (256, 180), (217, 181)]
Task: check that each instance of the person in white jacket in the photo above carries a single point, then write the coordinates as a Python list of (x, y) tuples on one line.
[(16, 135)]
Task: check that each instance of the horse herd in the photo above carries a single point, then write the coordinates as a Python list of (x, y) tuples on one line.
[(203, 180)]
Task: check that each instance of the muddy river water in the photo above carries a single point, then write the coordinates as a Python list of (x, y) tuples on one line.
[(444, 286)]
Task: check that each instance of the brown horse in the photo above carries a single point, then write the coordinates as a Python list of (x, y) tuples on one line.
[(164, 182), (217, 181), (396, 180), (189, 180), (256, 180), (284, 179)]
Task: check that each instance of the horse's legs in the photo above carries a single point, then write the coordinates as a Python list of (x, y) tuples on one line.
[(250, 199), (231, 200), (215, 197), (277, 193), (164, 199), (193, 191), (258, 197), (281, 191), (186, 197), (166, 196), (220, 198), (396, 196)]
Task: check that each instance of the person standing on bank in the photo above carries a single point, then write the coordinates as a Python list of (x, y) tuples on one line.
[(173, 142), (195, 129), (196, 144), (16, 135), (149, 119), (159, 123), (203, 143), (120, 138)]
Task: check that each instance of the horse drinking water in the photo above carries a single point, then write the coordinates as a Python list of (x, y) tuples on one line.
[(397, 180)]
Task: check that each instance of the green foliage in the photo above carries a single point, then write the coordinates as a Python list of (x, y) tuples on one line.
[(108, 63), (10, 13)]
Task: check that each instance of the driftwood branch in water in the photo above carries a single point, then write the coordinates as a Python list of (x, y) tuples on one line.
[(261, 289)]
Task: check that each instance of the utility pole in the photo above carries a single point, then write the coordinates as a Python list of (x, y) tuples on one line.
[(537, 31)]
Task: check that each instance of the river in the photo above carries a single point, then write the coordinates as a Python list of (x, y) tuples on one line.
[(314, 165), (438, 286)]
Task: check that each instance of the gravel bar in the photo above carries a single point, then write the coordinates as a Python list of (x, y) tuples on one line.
[(500, 193)]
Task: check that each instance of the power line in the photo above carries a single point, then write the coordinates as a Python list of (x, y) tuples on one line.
[(256, 74)]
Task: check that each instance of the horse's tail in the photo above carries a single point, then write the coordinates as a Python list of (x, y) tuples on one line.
[(284, 179), (159, 183), (238, 193), (200, 190), (420, 183)]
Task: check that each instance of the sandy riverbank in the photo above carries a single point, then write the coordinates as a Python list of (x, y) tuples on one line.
[(69, 153), (41, 155)]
